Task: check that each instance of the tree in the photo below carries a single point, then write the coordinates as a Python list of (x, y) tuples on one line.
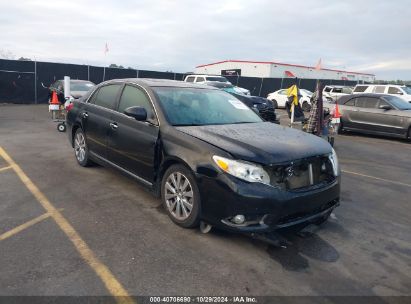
[(113, 65)]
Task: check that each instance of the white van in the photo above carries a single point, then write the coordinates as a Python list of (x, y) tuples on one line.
[(390, 89), (205, 78)]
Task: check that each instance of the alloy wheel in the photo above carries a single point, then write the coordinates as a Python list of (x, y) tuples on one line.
[(80, 147), (179, 196)]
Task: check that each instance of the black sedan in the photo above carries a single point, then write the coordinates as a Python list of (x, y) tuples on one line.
[(208, 156), (260, 105)]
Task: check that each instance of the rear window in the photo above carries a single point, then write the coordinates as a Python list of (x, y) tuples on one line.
[(360, 88)]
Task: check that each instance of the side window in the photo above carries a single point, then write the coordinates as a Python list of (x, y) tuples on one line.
[(190, 79), (350, 102), (282, 92), (382, 103), (379, 89), (394, 90), (200, 79), (106, 96), (360, 102), (337, 90), (360, 88), (133, 97), (368, 102), (327, 89), (346, 90)]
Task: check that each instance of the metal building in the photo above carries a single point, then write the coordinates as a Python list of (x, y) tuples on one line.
[(278, 70)]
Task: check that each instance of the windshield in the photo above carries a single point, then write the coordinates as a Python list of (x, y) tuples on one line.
[(407, 90), (217, 78), (398, 102), (192, 106), (81, 86)]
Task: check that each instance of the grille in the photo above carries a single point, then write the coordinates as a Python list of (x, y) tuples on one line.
[(303, 173)]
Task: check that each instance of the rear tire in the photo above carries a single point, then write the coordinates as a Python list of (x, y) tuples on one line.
[(181, 197), (81, 148)]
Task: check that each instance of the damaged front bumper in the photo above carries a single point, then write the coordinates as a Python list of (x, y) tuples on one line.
[(244, 207)]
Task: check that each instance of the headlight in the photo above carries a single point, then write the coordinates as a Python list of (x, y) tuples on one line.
[(246, 171), (334, 161)]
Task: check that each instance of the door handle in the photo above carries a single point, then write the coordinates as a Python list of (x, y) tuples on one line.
[(113, 125), (84, 115)]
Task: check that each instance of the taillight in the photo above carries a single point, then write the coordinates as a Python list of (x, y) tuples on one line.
[(69, 107)]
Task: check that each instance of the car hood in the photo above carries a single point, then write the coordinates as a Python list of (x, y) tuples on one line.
[(264, 143)]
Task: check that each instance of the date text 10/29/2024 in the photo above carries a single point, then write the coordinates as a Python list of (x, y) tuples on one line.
[(203, 299)]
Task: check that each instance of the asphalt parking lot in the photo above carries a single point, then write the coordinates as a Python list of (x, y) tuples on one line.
[(68, 230)]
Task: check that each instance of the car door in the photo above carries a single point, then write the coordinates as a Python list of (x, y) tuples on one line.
[(96, 117), (369, 116), (388, 120), (132, 143), (348, 110), (282, 98)]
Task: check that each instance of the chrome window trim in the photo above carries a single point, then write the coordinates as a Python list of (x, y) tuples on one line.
[(117, 112)]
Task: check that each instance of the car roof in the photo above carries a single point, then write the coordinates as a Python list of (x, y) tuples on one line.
[(76, 80), (366, 95), (205, 75), (150, 82)]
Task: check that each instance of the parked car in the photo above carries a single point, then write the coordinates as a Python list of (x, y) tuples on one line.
[(279, 98), (206, 79), (77, 88), (206, 154), (203, 78), (403, 92), (263, 106), (333, 92), (379, 114)]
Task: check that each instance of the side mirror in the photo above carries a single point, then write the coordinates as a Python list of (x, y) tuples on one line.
[(385, 107), (138, 113)]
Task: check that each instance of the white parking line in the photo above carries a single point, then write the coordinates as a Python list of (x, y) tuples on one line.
[(377, 178)]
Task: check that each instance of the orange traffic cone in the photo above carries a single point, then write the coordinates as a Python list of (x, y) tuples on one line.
[(54, 99), (337, 113)]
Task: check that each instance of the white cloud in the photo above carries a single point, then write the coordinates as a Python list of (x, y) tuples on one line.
[(371, 36)]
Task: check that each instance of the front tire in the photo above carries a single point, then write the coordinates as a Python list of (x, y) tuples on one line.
[(81, 148), (275, 104), (180, 196)]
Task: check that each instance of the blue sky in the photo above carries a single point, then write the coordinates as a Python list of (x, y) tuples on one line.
[(362, 35)]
